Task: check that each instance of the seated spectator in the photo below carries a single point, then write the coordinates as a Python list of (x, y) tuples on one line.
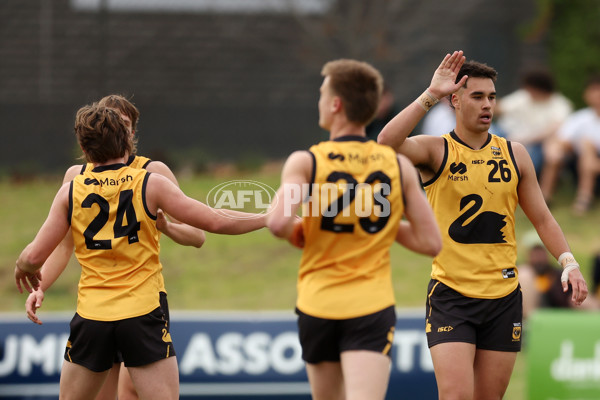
[(579, 133), (539, 277), (533, 113)]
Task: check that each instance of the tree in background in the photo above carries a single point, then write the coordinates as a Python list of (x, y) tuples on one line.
[(573, 37)]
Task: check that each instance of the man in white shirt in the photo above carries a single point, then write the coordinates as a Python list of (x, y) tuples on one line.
[(578, 136), (532, 114)]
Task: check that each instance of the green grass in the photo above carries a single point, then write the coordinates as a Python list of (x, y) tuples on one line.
[(248, 272)]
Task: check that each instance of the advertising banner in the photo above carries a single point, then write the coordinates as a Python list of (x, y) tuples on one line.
[(563, 354), (225, 356)]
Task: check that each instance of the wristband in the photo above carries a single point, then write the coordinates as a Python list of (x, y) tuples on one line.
[(567, 261), (426, 100)]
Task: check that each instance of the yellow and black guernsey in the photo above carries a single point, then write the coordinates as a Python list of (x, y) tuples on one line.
[(350, 221), (474, 197), (133, 161), (116, 243)]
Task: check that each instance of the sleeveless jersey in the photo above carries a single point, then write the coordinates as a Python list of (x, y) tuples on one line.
[(474, 197), (350, 221), (116, 243), (139, 162)]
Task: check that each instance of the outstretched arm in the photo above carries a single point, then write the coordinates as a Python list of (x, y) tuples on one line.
[(532, 202), (419, 232), (183, 234), (396, 132), (165, 195), (295, 177)]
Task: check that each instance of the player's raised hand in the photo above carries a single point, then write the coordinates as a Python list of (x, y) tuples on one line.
[(443, 81), (34, 301)]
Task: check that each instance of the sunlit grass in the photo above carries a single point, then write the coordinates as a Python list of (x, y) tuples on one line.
[(247, 272)]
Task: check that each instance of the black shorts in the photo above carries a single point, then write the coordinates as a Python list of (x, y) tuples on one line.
[(325, 339), (140, 340), (490, 324), (164, 304)]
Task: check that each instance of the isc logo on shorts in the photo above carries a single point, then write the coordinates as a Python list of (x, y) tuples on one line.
[(445, 328)]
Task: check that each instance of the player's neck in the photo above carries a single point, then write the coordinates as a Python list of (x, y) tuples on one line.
[(475, 139), (346, 128), (120, 160)]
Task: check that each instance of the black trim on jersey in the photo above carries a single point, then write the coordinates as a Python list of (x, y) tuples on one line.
[(82, 169), (442, 166), (512, 157), (111, 167), (350, 138), (401, 181), (70, 212), (313, 174), (130, 160), (144, 185), (455, 137)]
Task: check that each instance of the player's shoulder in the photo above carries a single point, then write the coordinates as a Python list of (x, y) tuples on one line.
[(157, 167), (73, 171)]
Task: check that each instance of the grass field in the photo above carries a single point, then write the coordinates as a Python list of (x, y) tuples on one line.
[(249, 272)]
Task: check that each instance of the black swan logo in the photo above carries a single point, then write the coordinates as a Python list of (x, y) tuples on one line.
[(484, 228)]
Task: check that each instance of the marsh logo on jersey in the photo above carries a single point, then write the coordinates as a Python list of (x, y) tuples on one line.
[(89, 181), (333, 156), (460, 169), (516, 332)]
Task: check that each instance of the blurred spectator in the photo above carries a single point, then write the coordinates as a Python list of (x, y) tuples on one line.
[(533, 113), (588, 164), (579, 130), (440, 119), (539, 277), (596, 276), (385, 112)]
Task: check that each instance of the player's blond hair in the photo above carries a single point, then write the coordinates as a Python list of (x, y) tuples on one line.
[(359, 86)]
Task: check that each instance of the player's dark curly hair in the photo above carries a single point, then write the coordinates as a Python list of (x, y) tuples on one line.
[(474, 69)]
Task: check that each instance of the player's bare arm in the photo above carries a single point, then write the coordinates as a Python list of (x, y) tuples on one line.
[(55, 264), (49, 236), (295, 177), (534, 206), (420, 231), (165, 195), (183, 234), (396, 132)]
